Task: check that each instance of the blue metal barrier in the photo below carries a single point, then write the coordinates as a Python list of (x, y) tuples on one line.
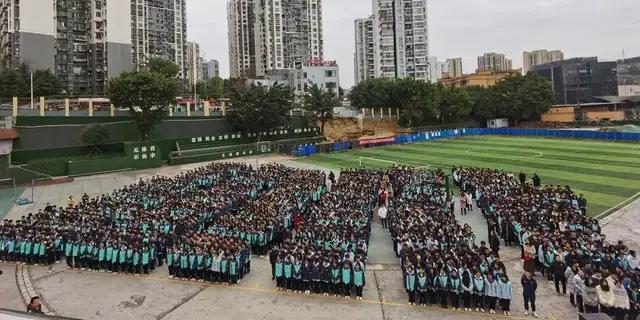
[(307, 150)]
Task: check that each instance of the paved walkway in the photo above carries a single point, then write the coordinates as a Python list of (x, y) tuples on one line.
[(475, 220), (624, 225), (381, 246)]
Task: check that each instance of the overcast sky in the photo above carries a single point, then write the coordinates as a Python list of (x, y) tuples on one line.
[(461, 28)]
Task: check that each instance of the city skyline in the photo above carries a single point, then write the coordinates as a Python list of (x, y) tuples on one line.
[(522, 27)]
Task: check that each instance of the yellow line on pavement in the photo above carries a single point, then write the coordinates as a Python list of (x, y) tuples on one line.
[(288, 293)]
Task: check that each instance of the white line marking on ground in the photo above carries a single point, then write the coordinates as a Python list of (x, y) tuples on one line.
[(616, 206)]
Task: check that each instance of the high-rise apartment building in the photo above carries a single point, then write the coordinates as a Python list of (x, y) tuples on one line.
[(452, 68), (400, 39), (364, 68), (242, 44), (83, 42), (435, 69), (193, 63), (302, 31), (273, 34), (210, 69), (87, 42), (159, 30), (494, 62), (539, 57)]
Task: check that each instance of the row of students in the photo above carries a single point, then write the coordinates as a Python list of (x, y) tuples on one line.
[(220, 267), (321, 278), (29, 251), (113, 258), (459, 289)]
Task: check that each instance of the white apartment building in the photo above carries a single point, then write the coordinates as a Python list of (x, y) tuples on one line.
[(193, 64), (401, 39), (435, 69), (538, 57), (364, 68), (452, 68), (159, 30), (210, 69), (325, 74), (272, 35), (494, 62)]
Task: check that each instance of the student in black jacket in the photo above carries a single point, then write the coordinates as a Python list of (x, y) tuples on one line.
[(529, 287), (558, 270), (273, 256)]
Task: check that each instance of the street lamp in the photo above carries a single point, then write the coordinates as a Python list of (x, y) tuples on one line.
[(31, 73)]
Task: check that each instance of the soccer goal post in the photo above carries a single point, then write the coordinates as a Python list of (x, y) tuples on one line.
[(8, 189), (383, 163), (375, 162)]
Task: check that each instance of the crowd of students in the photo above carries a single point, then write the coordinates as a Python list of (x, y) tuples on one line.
[(441, 263), (206, 224), (558, 240), (327, 252), (203, 223)]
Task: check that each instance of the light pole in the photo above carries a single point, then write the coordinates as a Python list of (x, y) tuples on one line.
[(31, 73)]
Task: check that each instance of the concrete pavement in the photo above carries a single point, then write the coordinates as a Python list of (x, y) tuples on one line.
[(92, 295)]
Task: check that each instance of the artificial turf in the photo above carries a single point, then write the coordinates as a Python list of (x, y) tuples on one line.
[(607, 173)]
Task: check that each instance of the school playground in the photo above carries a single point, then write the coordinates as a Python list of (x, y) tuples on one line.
[(607, 173)]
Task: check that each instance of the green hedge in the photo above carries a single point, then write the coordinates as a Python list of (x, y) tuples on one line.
[(22, 176), (28, 156), (229, 154), (54, 167), (112, 164)]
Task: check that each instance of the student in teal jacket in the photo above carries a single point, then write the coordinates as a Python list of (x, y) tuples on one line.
[(335, 278), (122, 259), (347, 279), (184, 264), (288, 273), (233, 270), (114, 258), (192, 265), (279, 272), (146, 255), (410, 283), (136, 262), (109, 256), (358, 280), (102, 256), (224, 269)]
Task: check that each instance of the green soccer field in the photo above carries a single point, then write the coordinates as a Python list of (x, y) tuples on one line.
[(607, 173)]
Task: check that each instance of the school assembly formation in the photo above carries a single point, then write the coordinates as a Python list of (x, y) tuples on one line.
[(205, 225), (550, 224)]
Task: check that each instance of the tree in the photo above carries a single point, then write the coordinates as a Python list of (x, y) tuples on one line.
[(94, 136), (17, 82), (321, 103), (45, 83), (163, 67), (484, 103), (146, 94), (415, 99), (374, 93), (212, 88), (524, 97), (258, 109), (452, 103)]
